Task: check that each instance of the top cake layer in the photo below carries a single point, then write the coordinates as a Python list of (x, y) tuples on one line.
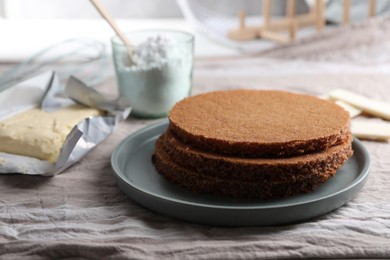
[(39, 134), (259, 123)]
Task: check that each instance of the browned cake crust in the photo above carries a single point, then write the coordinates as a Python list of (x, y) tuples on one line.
[(200, 183), (259, 123), (272, 170)]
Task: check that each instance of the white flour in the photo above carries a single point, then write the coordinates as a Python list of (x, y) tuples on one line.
[(161, 76), (155, 52)]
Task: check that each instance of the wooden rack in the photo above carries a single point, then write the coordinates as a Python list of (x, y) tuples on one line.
[(275, 29)]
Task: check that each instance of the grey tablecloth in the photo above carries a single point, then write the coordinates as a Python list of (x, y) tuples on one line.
[(83, 213)]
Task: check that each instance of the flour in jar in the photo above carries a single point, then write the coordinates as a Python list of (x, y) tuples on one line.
[(160, 76), (156, 52)]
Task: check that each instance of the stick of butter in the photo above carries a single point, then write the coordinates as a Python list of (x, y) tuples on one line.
[(371, 130), (36, 133), (368, 105)]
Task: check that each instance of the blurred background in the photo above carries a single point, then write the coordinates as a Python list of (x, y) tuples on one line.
[(30, 28), (81, 9)]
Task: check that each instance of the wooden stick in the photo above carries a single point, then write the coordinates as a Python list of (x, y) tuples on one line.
[(371, 9), (266, 12), (253, 32), (110, 20), (293, 30), (347, 9), (274, 36), (241, 18), (243, 33), (319, 14), (284, 23), (291, 6)]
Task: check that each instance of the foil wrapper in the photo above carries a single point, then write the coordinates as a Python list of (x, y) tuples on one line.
[(44, 91)]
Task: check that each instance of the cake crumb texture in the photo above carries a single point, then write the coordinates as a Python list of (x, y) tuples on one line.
[(256, 123)]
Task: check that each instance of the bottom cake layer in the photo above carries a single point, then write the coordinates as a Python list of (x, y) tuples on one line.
[(200, 183), (268, 170)]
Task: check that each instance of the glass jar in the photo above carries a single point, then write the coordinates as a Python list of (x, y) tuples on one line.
[(158, 74)]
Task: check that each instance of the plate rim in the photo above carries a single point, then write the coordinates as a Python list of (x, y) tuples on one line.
[(119, 174)]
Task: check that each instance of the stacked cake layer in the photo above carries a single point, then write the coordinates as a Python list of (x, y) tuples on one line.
[(253, 144)]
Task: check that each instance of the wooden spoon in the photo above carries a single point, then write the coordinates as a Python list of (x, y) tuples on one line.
[(110, 20)]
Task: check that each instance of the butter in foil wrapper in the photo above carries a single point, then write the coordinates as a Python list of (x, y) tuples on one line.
[(44, 91)]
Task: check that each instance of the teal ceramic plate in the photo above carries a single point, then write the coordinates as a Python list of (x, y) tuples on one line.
[(136, 176)]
